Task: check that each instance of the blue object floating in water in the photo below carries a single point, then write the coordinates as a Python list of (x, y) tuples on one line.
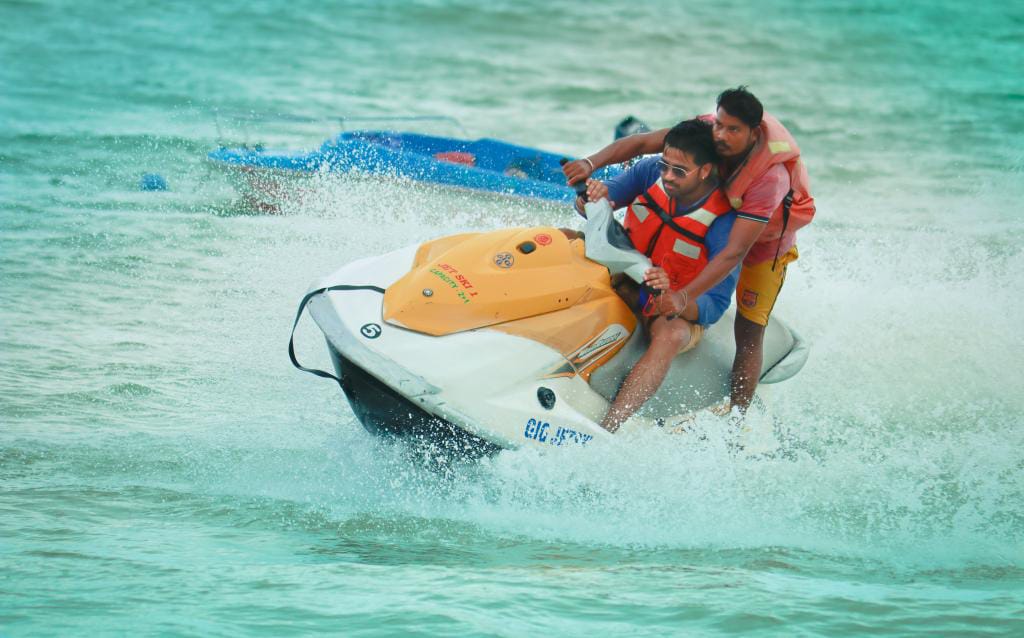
[(484, 164), (152, 182)]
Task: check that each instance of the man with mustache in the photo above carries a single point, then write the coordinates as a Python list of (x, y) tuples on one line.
[(677, 216), (767, 183)]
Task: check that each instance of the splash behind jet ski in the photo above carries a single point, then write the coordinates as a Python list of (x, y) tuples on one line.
[(263, 175)]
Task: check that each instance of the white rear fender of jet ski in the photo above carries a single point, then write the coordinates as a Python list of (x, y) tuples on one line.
[(785, 352)]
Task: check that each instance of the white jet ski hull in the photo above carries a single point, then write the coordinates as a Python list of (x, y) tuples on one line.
[(483, 390)]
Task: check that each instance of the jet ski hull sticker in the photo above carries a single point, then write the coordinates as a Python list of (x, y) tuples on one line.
[(370, 330), (541, 432), (453, 284)]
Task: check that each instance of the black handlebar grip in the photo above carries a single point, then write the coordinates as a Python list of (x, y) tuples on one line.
[(581, 186)]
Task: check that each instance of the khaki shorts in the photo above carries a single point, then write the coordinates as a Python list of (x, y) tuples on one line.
[(696, 332), (759, 287)]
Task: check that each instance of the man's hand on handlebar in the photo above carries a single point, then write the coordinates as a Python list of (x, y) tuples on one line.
[(577, 170), (596, 191)]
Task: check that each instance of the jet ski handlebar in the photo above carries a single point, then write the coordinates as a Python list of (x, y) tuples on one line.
[(581, 186), (608, 244), (606, 241)]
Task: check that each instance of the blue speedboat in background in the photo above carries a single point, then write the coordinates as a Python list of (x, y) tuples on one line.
[(485, 164)]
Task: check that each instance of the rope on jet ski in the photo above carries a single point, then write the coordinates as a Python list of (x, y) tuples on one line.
[(298, 315)]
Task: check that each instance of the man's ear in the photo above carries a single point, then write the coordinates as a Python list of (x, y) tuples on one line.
[(705, 171)]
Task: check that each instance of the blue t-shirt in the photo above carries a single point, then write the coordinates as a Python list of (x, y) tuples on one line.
[(627, 186)]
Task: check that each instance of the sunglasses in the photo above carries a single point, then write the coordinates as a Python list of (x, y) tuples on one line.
[(678, 171)]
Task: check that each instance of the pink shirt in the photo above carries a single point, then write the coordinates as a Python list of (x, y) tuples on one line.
[(759, 204)]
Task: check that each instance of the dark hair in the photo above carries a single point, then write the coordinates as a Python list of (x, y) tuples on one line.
[(741, 103), (693, 137)]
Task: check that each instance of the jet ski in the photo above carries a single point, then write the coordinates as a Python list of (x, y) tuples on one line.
[(480, 342)]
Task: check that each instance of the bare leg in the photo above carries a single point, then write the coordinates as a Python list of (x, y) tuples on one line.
[(667, 337), (746, 367)]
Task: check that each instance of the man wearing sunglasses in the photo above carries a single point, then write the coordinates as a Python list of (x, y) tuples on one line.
[(677, 216), (766, 182)]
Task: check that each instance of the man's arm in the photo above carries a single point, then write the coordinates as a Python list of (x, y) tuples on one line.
[(759, 204), (624, 187), (703, 296), (620, 150), (709, 306), (712, 305), (742, 236)]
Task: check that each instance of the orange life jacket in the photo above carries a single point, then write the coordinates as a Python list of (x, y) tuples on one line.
[(674, 242), (774, 146)]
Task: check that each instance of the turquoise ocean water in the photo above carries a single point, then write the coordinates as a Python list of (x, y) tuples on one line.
[(164, 470)]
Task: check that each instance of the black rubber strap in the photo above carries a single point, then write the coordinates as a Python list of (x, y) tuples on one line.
[(298, 315), (787, 202)]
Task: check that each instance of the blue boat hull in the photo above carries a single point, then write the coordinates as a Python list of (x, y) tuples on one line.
[(484, 164)]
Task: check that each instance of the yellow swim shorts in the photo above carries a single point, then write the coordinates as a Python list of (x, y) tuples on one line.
[(759, 287)]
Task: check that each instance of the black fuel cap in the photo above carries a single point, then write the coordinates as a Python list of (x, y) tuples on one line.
[(546, 398), (526, 247)]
